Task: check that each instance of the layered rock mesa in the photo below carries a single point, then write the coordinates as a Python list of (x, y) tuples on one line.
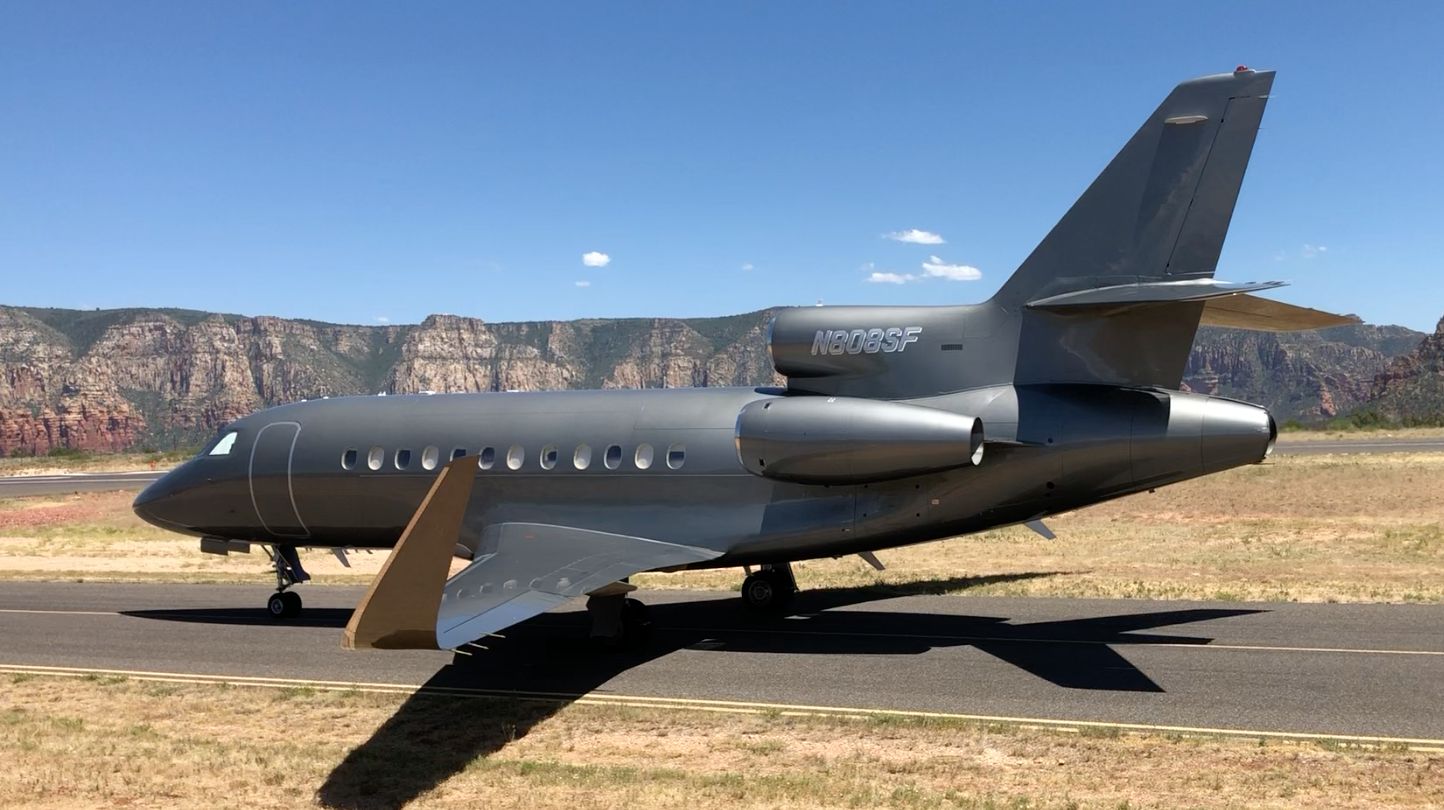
[(1304, 376), (1411, 389), (162, 378)]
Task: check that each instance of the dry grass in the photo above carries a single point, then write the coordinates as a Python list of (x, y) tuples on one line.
[(1313, 528), (1361, 434), (68, 743), (1306, 528)]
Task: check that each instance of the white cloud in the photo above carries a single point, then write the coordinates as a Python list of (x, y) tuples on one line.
[(890, 278), (1310, 251), (596, 258), (935, 267), (915, 237), (382, 319), (747, 266), (582, 283)]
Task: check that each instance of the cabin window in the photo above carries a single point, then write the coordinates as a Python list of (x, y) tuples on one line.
[(429, 457), (613, 458), (348, 459), (582, 458), (403, 459), (515, 457), (549, 457), (643, 456), (223, 447), (375, 457), (487, 459), (676, 456), (457, 452)]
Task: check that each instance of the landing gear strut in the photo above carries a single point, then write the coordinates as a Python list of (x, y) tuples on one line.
[(618, 623), (770, 589), (284, 603)]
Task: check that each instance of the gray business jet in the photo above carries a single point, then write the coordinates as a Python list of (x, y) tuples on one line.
[(897, 425)]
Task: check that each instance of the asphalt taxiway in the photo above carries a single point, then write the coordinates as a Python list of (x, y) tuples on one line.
[(20, 486), (1367, 672)]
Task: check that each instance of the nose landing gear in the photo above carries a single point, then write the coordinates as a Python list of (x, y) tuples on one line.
[(284, 603)]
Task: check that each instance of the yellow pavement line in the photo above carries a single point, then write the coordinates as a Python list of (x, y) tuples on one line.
[(725, 706)]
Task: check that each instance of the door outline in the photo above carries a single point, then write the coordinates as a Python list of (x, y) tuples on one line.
[(290, 490)]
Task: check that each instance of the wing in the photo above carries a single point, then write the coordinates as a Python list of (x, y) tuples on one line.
[(518, 571), (522, 569)]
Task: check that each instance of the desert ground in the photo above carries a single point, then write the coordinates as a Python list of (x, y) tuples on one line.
[(1312, 528), (118, 742)]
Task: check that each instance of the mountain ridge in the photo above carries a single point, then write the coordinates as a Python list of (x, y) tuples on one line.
[(157, 378)]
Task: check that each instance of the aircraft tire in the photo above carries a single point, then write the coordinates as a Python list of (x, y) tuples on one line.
[(767, 591), (636, 624), (284, 605)]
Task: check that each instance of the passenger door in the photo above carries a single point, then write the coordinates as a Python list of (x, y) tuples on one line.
[(271, 480)]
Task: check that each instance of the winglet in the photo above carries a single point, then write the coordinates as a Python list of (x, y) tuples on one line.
[(399, 610)]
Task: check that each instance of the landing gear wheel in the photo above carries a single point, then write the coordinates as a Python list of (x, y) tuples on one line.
[(618, 624), (284, 605), (767, 591), (636, 625)]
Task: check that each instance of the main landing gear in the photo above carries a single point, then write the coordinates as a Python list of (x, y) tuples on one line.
[(769, 589), (618, 622), (284, 603)]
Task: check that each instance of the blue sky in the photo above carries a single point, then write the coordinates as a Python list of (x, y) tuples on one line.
[(359, 162)]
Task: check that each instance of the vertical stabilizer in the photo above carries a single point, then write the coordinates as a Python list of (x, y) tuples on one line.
[(1158, 212)]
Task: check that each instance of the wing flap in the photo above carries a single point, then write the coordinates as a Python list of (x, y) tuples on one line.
[(518, 571), (523, 569)]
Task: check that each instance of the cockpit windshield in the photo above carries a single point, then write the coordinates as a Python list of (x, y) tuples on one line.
[(223, 447)]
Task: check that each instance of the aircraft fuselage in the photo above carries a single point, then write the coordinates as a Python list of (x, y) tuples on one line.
[(664, 464)]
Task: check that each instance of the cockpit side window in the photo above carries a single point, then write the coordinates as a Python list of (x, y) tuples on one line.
[(223, 447)]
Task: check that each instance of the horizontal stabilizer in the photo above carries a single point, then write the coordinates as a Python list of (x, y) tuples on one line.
[(1151, 292), (1225, 303), (1262, 314)]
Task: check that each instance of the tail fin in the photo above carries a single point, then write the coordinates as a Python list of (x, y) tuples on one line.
[(1158, 213)]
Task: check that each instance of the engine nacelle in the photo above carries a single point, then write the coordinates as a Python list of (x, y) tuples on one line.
[(846, 440)]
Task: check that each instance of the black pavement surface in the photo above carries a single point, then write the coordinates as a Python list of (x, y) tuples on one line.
[(1374, 670), (1362, 444), (19, 486)]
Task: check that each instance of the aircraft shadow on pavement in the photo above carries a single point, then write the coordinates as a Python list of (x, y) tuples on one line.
[(312, 617), (434, 734)]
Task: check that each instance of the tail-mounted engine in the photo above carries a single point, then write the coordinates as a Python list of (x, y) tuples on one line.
[(843, 440)]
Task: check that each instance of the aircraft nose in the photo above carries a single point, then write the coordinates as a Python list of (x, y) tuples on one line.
[(150, 504), (165, 503)]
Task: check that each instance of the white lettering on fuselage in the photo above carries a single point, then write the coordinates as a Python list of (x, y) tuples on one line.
[(865, 341)]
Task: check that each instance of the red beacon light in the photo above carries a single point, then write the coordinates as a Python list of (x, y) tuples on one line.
[(1242, 69)]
